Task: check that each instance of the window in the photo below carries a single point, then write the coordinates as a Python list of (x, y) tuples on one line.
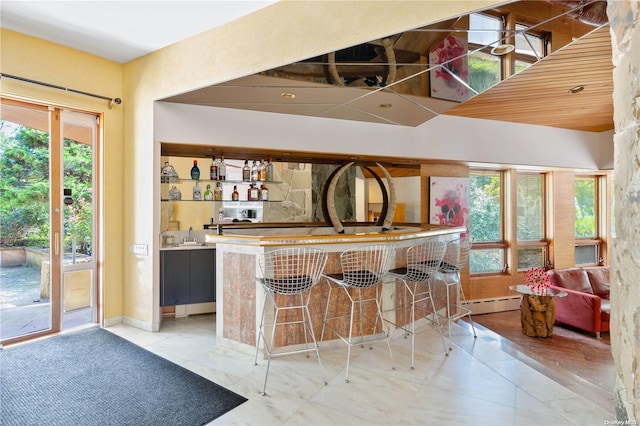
[(484, 68), (530, 221), (488, 31), (588, 254), (585, 206), (486, 222), (529, 47), (587, 234)]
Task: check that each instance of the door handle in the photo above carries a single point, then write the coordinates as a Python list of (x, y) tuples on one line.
[(56, 245)]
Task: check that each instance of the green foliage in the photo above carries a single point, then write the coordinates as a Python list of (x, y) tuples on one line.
[(484, 211), (530, 204), (585, 197), (484, 221), (482, 73), (24, 188), (481, 261)]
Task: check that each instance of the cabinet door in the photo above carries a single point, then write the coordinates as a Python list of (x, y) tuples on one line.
[(174, 278), (202, 285)]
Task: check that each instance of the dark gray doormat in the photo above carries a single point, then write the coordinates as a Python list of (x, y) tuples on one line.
[(94, 377)]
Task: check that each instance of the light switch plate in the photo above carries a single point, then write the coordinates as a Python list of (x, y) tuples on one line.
[(140, 249)]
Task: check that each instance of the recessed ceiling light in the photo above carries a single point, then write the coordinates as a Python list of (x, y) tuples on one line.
[(502, 49), (576, 89), (288, 95), (385, 106)]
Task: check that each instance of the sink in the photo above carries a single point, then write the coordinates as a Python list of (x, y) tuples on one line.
[(190, 244)]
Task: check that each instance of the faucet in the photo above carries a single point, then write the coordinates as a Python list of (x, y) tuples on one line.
[(191, 233)]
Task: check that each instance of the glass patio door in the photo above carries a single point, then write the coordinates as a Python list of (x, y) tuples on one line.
[(47, 244), (78, 290), (26, 305)]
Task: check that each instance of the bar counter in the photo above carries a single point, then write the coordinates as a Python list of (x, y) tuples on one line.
[(240, 298)]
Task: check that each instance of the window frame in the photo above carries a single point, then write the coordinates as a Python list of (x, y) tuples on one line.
[(599, 211), (501, 244), (545, 241), (502, 35), (509, 23)]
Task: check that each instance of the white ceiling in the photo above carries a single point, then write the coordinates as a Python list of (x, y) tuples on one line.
[(120, 30)]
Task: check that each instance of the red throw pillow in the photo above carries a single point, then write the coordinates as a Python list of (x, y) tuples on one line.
[(573, 279), (599, 278)]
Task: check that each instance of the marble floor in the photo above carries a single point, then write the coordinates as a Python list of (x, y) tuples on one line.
[(477, 384)]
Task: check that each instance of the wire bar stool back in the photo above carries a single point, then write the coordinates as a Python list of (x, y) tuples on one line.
[(288, 275), (292, 270), (456, 256), (424, 259), (365, 267)]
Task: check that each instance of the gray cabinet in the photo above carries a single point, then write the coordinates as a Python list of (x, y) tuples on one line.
[(187, 276)]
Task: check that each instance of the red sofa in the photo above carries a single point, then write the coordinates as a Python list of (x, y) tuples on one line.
[(587, 304)]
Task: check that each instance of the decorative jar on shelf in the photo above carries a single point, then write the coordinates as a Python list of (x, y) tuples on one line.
[(168, 173), (175, 194)]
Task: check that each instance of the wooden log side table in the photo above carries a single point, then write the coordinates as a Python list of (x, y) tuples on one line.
[(537, 311)]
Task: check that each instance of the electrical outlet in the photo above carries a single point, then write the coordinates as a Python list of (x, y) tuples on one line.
[(140, 249)]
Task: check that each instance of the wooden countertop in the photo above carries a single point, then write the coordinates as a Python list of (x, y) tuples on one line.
[(304, 235)]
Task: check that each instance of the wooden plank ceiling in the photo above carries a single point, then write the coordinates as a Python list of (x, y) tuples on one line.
[(540, 94)]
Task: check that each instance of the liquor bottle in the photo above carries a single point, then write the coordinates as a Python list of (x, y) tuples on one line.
[(264, 193), (195, 171), (235, 196), (254, 171), (269, 171), (252, 193), (262, 171), (197, 192), (213, 169), (246, 171), (208, 195), (217, 192), (222, 169)]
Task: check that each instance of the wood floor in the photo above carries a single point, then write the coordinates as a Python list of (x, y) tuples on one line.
[(576, 359)]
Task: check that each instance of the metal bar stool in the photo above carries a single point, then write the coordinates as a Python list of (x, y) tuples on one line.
[(363, 269), (423, 261), (288, 275), (454, 260)]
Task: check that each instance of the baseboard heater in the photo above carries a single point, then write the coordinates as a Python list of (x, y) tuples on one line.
[(498, 304)]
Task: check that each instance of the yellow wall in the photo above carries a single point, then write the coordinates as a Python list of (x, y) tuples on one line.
[(39, 60)]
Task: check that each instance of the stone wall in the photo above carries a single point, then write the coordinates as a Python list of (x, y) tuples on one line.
[(625, 289), (345, 192), (294, 191)]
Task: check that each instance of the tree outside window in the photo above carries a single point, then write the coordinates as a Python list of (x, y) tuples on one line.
[(485, 221), (585, 207), (24, 188), (530, 221)]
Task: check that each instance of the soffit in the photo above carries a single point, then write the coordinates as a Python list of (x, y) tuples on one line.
[(537, 95)]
